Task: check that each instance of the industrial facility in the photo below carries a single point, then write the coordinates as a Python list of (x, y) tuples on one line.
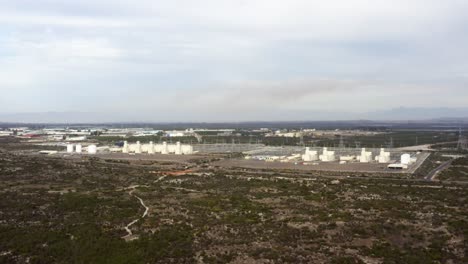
[(164, 148), (255, 145), (339, 159), (364, 156)]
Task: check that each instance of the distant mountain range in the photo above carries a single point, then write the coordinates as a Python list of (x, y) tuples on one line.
[(53, 117), (416, 113), (439, 115)]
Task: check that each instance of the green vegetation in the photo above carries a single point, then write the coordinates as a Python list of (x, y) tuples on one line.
[(460, 162), (400, 139), (88, 243), (58, 210), (431, 163), (458, 171)]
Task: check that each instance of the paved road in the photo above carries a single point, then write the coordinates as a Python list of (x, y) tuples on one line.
[(426, 147), (421, 159), (435, 171)]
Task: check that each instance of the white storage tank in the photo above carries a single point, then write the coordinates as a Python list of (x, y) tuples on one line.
[(178, 149), (125, 148), (310, 155), (151, 148), (138, 148), (405, 159), (383, 157), (327, 156), (92, 149), (187, 149), (164, 149), (366, 156), (171, 148), (158, 148), (69, 148), (78, 148)]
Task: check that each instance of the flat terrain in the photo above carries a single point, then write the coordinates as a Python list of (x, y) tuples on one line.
[(79, 210), (456, 171), (153, 157)]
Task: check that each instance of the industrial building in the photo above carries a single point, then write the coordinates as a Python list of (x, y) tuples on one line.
[(405, 161)]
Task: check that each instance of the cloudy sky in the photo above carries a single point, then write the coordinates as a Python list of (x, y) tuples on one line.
[(212, 60)]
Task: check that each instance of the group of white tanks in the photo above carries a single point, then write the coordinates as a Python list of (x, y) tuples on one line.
[(364, 157), (164, 148), (91, 149), (137, 148)]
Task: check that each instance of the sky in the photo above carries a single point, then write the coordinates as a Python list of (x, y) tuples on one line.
[(211, 60)]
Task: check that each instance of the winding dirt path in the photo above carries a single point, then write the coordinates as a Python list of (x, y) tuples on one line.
[(130, 236)]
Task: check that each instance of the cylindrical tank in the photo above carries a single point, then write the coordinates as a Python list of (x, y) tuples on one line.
[(92, 149), (69, 148), (138, 147), (78, 148), (125, 148), (178, 149), (164, 149), (187, 149), (405, 159), (151, 148)]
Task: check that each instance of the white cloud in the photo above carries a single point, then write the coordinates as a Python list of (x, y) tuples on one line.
[(59, 49), (295, 55), (20, 19)]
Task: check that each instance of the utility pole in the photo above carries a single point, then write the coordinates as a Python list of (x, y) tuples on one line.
[(341, 145)]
